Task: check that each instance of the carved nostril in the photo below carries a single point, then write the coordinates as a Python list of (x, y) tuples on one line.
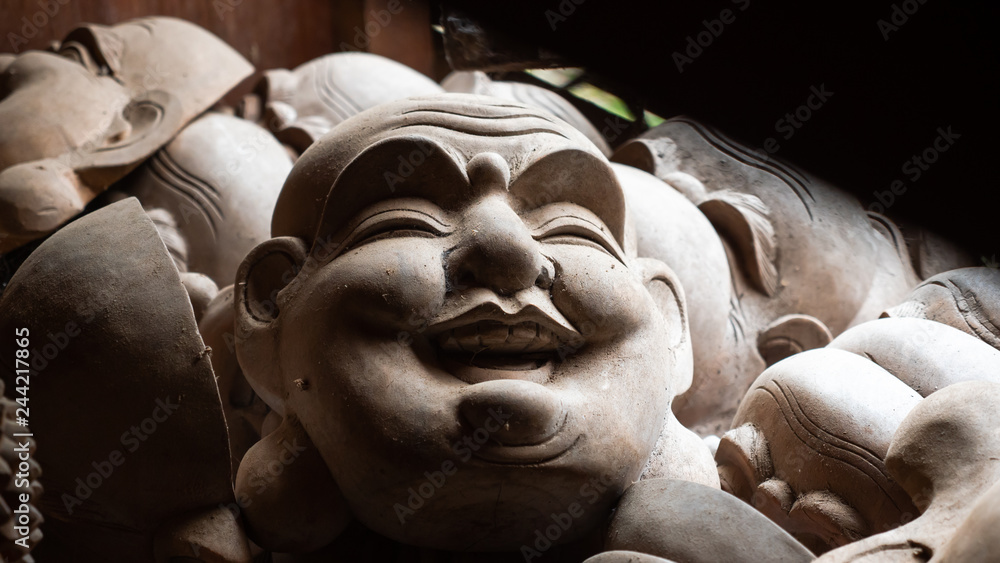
[(547, 274), (497, 249), (504, 266)]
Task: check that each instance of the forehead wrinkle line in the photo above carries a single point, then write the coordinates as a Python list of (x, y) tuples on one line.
[(528, 115), (484, 134)]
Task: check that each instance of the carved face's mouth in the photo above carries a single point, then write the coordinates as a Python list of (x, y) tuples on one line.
[(497, 345), (485, 343), (489, 350)]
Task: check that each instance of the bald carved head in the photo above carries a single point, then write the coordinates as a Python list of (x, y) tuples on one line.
[(450, 283)]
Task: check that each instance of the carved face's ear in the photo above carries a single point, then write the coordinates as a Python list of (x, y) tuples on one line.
[(668, 295), (262, 276), (790, 335), (145, 126)]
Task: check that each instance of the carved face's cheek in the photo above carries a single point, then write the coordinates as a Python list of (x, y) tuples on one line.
[(351, 331), (597, 293), (382, 287)]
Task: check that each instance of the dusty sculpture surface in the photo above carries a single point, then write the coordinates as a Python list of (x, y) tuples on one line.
[(484, 295), (115, 411), (944, 455), (778, 286), (477, 82), (211, 191), (134, 86), (818, 441), (967, 299), (299, 106), (135, 122), (455, 332)]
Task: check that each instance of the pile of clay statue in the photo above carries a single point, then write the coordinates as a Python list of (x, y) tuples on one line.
[(363, 316)]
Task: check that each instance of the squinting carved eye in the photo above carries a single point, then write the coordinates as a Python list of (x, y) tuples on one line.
[(569, 230), (571, 224), (394, 223)]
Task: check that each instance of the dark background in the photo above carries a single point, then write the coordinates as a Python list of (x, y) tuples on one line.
[(938, 69)]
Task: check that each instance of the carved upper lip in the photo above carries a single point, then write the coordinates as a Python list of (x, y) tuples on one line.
[(480, 321)]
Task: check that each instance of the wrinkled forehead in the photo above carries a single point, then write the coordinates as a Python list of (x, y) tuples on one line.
[(468, 128), (443, 147)]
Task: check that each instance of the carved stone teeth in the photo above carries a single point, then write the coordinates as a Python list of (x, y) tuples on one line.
[(448, 342), (493, 336), (522, 335), (542, 341), (468, 338)]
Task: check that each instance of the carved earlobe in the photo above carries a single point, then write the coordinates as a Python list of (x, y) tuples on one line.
[(290, 501), (668, 295), (744, 461), (264, 273)]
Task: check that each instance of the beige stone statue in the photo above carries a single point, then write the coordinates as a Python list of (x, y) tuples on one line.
[(211, 192), (967, 299), (455, 341), (814, 440), (445, 350), (299, 106), (457, 333), (80, 118), (771, 279), (135, 122), (945, 454), (122, 394)]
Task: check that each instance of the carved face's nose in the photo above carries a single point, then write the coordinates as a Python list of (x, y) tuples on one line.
[(496, 250)]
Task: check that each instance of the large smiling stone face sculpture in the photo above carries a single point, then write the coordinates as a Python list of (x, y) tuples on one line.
[(452, 292)]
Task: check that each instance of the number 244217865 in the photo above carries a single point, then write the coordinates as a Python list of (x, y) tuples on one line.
[(21, 360)]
